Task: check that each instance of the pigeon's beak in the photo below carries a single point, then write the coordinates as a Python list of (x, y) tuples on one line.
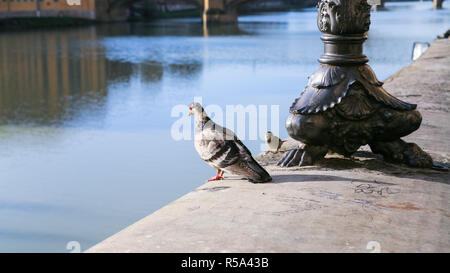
[(190, 111)]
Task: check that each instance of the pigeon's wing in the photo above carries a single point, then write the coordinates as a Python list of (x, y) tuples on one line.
[(217, 146), (221, 148)]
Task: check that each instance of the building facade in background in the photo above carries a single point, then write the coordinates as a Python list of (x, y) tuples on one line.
[(87, 9)]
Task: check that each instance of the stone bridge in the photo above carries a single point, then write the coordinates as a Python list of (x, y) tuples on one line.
[(437, 4), (214, 11), (224, 11)]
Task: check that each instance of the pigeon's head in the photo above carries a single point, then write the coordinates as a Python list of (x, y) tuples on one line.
[(196, 109), (268, 134)]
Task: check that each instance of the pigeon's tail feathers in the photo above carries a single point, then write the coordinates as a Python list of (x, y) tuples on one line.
[(249, 167), (257, 173)]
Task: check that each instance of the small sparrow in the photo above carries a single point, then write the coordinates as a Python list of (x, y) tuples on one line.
[(273, 142)]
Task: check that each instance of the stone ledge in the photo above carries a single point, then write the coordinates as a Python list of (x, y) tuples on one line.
[(340, 205)]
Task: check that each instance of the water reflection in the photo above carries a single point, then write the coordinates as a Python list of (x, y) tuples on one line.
[(51, 78), (223, 30), (41, 80)]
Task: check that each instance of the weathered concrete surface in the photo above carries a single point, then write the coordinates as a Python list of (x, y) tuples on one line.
[(338, 206), (427, 83)]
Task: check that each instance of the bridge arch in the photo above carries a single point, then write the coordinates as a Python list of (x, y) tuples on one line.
[(213, 10), (113, 10)]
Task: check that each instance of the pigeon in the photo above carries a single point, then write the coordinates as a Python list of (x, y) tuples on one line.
[(222, 150), (273, 142)]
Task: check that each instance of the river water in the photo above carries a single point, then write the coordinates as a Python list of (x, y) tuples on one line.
[(86, 147)]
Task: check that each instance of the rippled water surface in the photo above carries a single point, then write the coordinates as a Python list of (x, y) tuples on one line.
[(85, 113)]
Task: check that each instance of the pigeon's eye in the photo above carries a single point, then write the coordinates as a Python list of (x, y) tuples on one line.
[(190, 108)]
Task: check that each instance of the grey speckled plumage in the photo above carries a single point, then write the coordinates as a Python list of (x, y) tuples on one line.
[(221, 148)]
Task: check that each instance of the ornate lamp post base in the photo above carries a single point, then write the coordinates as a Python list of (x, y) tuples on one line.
[(344, 105)]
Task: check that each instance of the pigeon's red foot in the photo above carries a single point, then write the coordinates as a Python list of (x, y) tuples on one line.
[(219, 176), (215, 178)]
